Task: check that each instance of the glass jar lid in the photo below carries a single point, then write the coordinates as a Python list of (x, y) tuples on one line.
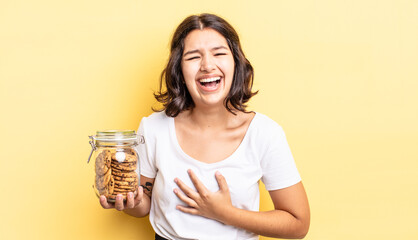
[(115, 135)]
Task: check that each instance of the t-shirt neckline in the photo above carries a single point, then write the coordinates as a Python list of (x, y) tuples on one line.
[(173, 135)]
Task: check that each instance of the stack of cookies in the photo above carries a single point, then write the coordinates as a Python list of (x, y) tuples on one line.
[(116, 173), (124, 174)]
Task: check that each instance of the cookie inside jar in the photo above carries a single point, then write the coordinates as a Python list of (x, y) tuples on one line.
[(116, 162), (116, 173)]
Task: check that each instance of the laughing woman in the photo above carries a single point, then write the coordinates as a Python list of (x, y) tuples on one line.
[(204, 153)]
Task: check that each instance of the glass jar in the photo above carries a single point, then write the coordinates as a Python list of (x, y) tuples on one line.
[(116, 162)]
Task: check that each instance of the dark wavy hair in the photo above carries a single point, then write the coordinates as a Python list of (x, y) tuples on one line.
[(177, 98)]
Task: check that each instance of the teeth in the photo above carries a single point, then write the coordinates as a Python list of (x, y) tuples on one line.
[(209, 79)]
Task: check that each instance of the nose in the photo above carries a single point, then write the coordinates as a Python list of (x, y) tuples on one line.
[(207, 64)]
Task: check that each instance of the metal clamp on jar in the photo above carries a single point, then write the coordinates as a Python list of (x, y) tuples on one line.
[(116, 162)]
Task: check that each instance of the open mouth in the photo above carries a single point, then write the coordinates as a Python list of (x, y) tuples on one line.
[(210, 82)]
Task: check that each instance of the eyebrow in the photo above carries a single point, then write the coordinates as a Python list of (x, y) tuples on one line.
[(196, 51)]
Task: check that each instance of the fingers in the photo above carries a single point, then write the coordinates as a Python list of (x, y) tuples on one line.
[(190, 202), (187, 210), (186, 189), (196, 182), (105, 204), (200, 187), (119, 203), (140, 194), (223, 186), (130, 202)]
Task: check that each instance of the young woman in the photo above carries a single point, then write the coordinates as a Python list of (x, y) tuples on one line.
[(204, 154)]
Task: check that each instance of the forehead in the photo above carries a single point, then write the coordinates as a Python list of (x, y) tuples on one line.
[(206, 38)]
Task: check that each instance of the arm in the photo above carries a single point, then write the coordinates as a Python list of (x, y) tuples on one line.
[(289, 219), (138, 206)]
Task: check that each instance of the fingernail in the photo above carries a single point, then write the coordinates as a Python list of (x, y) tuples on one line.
[(175, 190), (217, 173), (175, 180)]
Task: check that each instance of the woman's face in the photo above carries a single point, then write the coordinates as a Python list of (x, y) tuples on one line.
[(208, 67)]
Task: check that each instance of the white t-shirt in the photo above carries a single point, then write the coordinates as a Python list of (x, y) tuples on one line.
[(262, 155)]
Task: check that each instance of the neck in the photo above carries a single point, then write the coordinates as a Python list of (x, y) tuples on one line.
[(211, 118)]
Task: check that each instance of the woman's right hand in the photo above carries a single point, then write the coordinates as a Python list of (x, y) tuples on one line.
[(120, 205)]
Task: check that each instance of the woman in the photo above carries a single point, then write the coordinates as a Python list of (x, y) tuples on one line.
[(205, 154)]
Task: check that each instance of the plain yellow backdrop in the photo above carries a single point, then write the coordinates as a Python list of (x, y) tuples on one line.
[(341, 77)]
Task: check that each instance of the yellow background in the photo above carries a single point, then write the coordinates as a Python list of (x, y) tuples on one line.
[(341, 77)]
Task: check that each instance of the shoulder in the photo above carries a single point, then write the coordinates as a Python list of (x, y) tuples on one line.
[(266, 125), (155, 119), (155, 124), (266, 133)]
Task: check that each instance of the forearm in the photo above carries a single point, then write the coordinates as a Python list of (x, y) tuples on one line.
[(275, 223), (142, 209), (290, 219)]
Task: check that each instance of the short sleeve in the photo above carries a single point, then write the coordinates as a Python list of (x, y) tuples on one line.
[(147, 165), (277, 163)]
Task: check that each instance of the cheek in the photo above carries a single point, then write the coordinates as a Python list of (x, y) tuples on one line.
[(229, 66), (189, 71), (228, 72)]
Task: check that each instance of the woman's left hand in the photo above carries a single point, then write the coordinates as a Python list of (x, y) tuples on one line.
[(214, 205)]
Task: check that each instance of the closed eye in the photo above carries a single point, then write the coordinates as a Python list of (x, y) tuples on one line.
[(220, 54), (196, 57)]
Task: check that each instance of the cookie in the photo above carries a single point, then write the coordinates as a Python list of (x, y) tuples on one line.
[(106, 177), (111, 185), (126, 179), (101, 167), (103, 192), (103, 181), (125, 183), (124, 168), (120, 168), (105, 172), (131, 152), (123, 191), (108, 158), (131, 174), (131, 158), (99, 183), (124, 188)]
